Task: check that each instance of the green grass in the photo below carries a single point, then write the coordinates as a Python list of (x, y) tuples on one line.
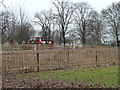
[(103, 76)]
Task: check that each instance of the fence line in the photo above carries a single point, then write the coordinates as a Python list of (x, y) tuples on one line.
[(28, 60)]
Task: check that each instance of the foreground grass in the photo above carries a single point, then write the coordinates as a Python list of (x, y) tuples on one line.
[(107, 76)]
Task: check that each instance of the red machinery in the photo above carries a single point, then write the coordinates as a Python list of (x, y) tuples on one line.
[(41, 40)]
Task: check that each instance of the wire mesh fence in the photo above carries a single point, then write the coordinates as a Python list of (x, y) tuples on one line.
[(25, 60)]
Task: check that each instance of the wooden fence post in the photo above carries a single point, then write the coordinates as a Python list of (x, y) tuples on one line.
[(23, 61), (68, 58), (53, 60), (59, 60), (37, 61), (18, 61), (6, 61), (50, 59), (96, 58), (15, 58), (37, 54)]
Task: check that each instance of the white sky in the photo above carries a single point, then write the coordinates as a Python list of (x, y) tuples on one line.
[(32, 6)]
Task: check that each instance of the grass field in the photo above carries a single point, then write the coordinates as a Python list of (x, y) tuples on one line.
[(102, 76)]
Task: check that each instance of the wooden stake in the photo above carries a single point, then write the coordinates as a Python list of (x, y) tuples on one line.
[(7, 54), (96, 58), (39, 60), (33, 61), (59, 60), (12, 53), (15, 61), (18, 61), (68, 59), (23, 61), (20, 55), (26, 59), (2, 62), (50, 59), (53, 59)]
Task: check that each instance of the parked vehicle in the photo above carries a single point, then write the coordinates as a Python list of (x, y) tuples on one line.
[(42, 40)]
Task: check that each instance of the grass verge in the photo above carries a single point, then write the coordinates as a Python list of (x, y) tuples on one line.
[(103, 76)]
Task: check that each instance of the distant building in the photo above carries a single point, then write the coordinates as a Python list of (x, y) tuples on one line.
[(76, 43)]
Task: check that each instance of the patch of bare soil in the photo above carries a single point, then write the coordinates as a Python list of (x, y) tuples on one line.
[(10, 81)]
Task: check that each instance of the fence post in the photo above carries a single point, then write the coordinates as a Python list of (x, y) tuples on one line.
[(18, 61), (50, 60), (37, 61), (23, 61), (96, 58), (15, 61), (68, 59), (6, 61), (37, 58)]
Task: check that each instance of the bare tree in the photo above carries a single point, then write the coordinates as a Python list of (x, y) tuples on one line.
[(82, 20), (64, 11), (95, 28), (23, 29), (1, 22), (57, 31), (15, 27), (44, 19), (12, 26), (5, 17), (111, 18), (2, 2)]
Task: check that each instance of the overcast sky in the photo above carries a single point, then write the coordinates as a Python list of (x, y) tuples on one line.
[(32, 6)]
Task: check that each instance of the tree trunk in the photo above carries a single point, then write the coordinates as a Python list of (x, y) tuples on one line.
[(60, 38), (83, 36), (63, 34), (117, 42), (83, 40), (64, 38)]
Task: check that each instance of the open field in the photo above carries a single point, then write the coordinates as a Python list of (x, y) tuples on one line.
[(101, 77)]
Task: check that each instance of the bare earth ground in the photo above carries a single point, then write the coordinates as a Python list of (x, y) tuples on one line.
[(0, 81), (10, 81)]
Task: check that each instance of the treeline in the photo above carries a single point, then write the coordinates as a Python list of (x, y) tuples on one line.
[(15, 26), (66, 21)]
